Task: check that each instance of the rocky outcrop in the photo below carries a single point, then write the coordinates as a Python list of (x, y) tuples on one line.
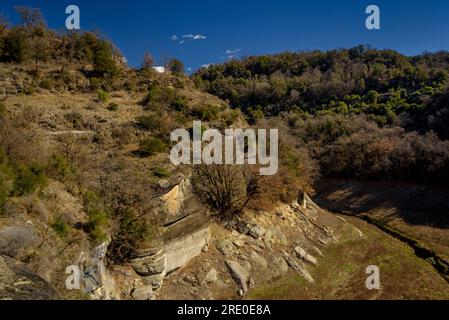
[(185, 234), (18, 283), (96, 278)]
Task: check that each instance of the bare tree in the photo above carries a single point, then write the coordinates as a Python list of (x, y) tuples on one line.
[(148, 60), (31, 17)]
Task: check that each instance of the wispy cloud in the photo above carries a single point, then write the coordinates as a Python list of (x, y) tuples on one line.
[(187, 38), (231, 54), (199, 37)]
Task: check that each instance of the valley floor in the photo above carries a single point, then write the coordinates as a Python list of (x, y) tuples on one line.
[(341, 274)]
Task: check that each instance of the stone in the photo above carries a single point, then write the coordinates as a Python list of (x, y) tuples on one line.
[(191, 279), (151, 265), (226, 247), (163, 184), (143, 293), (259, 260), (17, 282), (302, 270), (211, 276), (281, 265), (16, 239), (302, 254), (239, 274), (318, 251), (275, 235), (239, 243), (154, 281), (257, 232), (359, 232)]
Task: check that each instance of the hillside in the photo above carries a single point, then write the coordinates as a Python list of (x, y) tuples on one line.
[(87, 185)]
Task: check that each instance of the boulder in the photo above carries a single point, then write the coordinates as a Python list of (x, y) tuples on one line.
[(226, 247), (295, 265), (259, 260), (154, 281), (302, 254), (151, 265), (211, 276), (257, 232), (239, 274), (19, 283), (142, 293)]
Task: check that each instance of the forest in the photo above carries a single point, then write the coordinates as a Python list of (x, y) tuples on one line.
[(360, 112)]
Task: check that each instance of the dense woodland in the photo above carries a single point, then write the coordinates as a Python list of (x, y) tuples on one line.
[(361, 112)]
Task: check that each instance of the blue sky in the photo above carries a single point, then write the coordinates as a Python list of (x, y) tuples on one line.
[(238, 28)]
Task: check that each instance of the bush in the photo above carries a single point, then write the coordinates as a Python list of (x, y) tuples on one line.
[(179, 104), (28, 180), (148, 122), (98, 224), (60, 227), (223, 187), (161, 172), (133, 230), (151, 146), (113, 107), (102, 96), (2, 110), (6, 179), (46, 84)]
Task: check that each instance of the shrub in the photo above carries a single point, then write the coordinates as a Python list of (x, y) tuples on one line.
[(98, 224), (151, 146), (46, 84), (113, 107), (102, 96), (148, 122), (206, 112), (6, 179), (133, 230), (179, 104), (60, 227), (161, 172), (28, 180), (176, 67), (223, 187), (2, 110)]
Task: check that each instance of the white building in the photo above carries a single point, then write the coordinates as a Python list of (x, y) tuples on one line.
[(159, 69)]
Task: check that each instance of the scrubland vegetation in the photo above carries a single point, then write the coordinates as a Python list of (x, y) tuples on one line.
[(361, 112)]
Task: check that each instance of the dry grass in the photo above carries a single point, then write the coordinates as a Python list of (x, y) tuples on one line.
[(341, 273)]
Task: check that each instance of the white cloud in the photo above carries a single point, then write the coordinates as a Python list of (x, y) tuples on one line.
[(187, 36), (233, 52), (182, 42), (199, 37), (174, 37)]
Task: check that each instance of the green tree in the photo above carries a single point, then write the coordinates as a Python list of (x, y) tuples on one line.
[(104, 63), (176, 67)]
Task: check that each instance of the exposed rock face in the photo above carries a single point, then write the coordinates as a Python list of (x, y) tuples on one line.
[(15, 239), (18, 283), (185, 235), (97, 280), (151, 265)]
